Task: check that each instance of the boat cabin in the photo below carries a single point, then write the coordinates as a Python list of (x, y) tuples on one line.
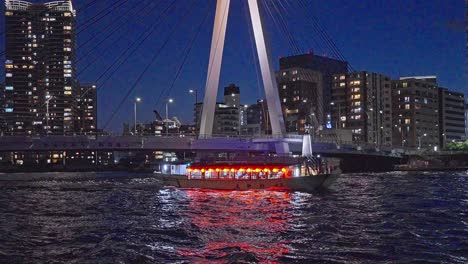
[(236, 172)]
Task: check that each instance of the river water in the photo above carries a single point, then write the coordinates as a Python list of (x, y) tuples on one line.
[(129, 218)]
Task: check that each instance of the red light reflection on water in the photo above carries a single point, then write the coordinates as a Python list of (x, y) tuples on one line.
[(233, 224)]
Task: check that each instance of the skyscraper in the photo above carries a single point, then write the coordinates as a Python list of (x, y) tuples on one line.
[(86, 109), (451, 116), (324, 65), (40, 91), (416, 112), (300, 92), (362, 102)]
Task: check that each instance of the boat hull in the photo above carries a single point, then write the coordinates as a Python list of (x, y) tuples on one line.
[(305, 183)]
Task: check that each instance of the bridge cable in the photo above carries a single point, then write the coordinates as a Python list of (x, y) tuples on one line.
[(118, 26), (314, 21), (116, 23), (133, 47), (110, 33), (96, 18), (99, 16), (153, 59), (81, 8), (319, 103), (186, 53)]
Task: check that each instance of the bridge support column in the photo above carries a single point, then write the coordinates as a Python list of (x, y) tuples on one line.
[(214, 68)]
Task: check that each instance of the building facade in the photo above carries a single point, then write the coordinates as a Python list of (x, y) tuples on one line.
[(301, 96), (39, 93), (86, 110), (415, 112), (362, 102), (466, 118), (226, 119), (252, 119), (451, 116), (324, 65), (232, 95), (232, 118)]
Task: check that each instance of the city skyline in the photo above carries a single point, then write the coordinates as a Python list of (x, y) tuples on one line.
[(436, 23)]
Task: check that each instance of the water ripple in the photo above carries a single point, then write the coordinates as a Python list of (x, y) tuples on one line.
[(128, 218)]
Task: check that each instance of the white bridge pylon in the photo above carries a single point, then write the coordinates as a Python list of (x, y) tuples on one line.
[(214, 70)]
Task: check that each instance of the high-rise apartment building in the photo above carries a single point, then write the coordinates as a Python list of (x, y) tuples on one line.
[(86, 109), (232, 95), (416, 112), (253, 118), (324, 65), (301, 96), (227, 114), (226, 119), (451, 116), (362, 102), (40, 91)]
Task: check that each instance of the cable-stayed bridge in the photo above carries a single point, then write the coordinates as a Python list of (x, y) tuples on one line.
[(281, 143)]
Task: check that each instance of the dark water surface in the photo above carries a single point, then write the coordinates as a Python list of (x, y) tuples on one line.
[(114, 218)]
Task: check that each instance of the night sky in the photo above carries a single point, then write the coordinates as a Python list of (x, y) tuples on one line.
[(397, 38)]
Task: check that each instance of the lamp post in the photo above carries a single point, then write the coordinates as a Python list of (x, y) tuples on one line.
[(194, 91), (338, 122), (167, 114), (444, 140), (48, 98), (137, 100), (419, 140)]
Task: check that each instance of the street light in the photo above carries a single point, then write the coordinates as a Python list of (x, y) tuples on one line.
[(137, 100), (194, 91), (48, 98), (444, 140), (419, 140), (338, 122), (167, 114)]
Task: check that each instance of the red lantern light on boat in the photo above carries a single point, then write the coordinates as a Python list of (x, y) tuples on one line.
[(232, 170), (189, 170), (226, 169), (283, 169), (217, 169), (258, 170), (241, 170), (275, 170), (249, 170), (266, 170), (202, 170)]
